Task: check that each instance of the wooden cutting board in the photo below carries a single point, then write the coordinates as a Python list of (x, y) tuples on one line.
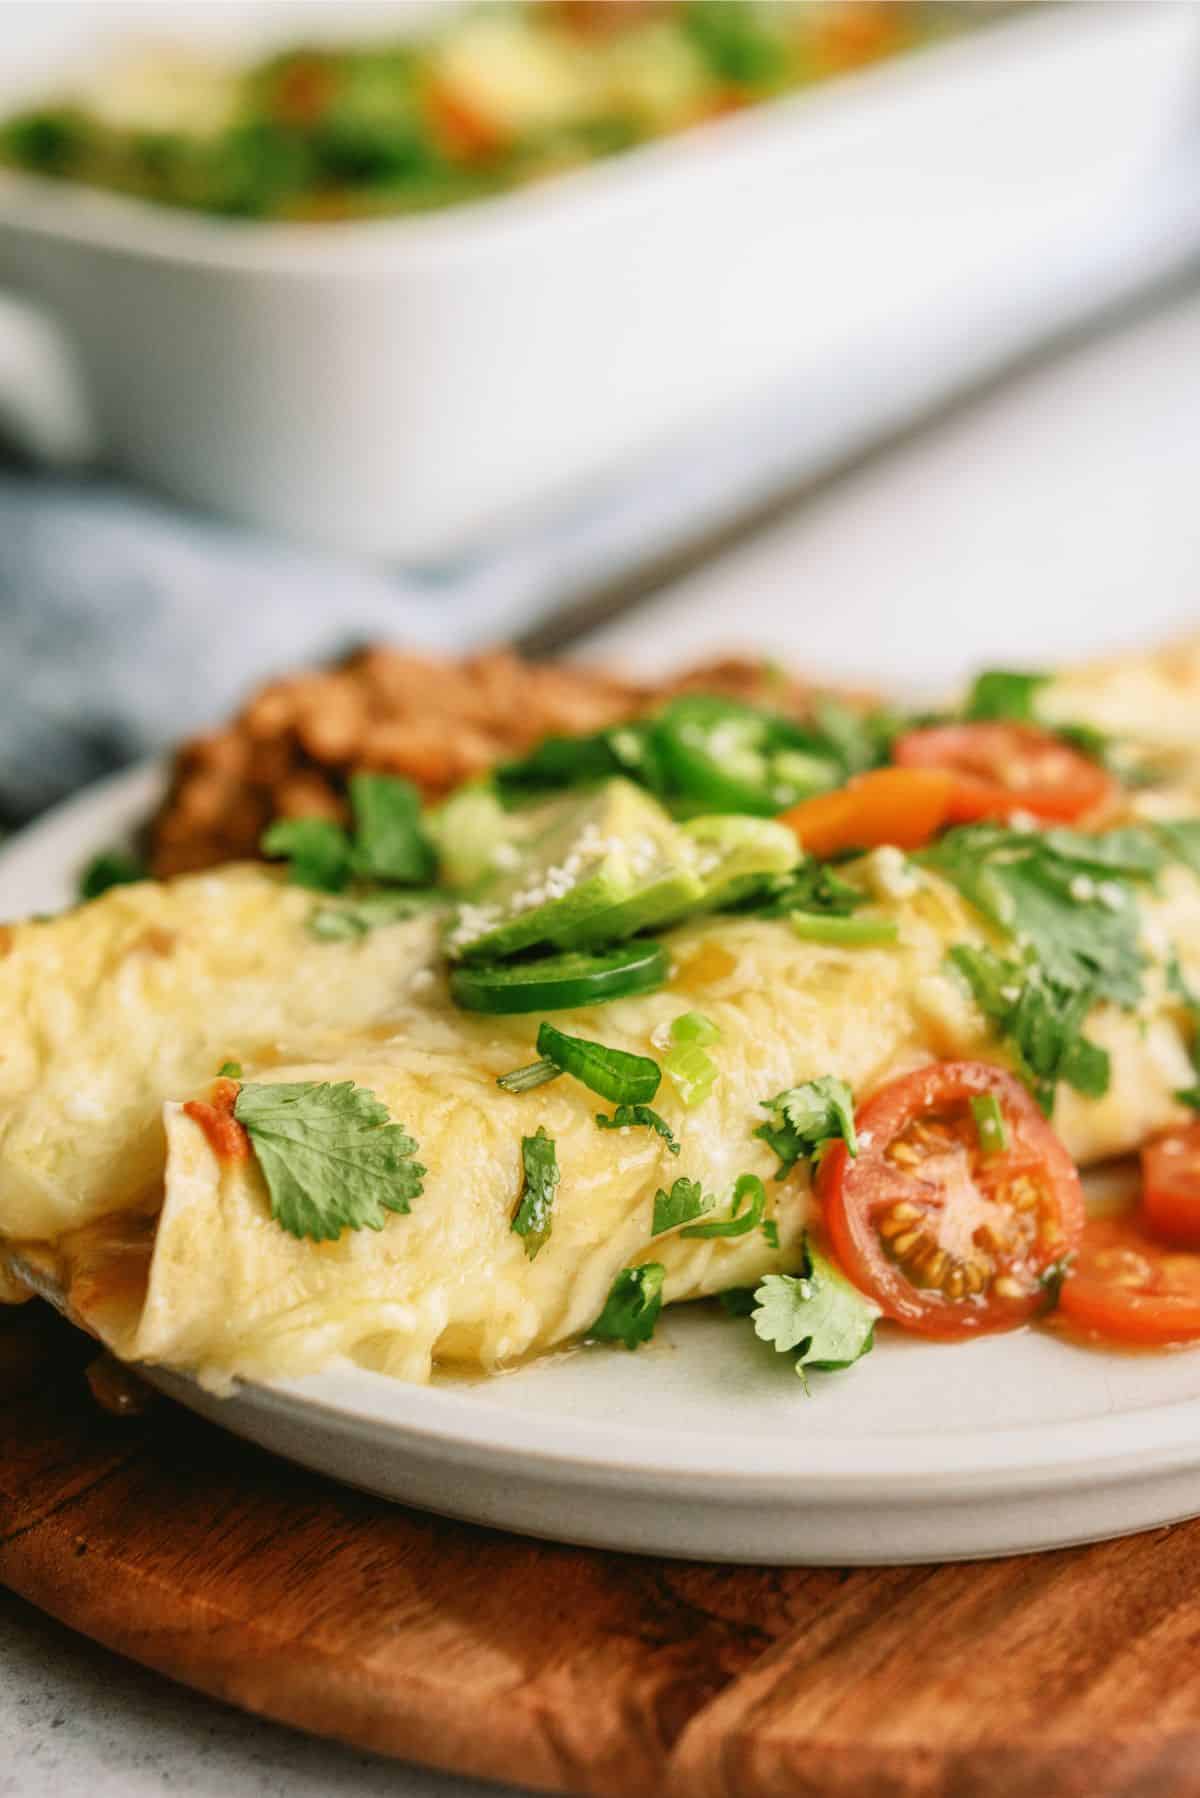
[(1070, 1675)]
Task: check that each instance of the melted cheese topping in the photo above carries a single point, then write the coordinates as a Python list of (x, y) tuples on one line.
[(113, 1015)]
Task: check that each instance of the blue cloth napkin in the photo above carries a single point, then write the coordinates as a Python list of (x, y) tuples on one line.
[(125, 624)]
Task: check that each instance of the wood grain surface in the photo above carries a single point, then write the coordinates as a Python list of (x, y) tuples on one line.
[(1070, 1675)]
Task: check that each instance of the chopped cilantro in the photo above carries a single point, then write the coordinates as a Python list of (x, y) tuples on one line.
[(1133, 851), (1068, 899), (802, 1120), (355, 917), (632, 1307), (740, 44), (679, 1206), (817, 1315), (318, 852), (389, 844), (539, 1164), (112, 868), (229, 1070), (1041, 1021), (741, 1219), (1001, 693), (331, 1157), (628, 1117), (737, 1301)]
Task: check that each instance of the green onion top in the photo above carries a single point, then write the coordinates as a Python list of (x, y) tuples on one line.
[(613, 1073)]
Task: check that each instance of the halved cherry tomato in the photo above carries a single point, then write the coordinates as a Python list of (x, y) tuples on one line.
[(1126, 1287), (1171, 1186), (904, 806), (1004, 768), (952, 1238)]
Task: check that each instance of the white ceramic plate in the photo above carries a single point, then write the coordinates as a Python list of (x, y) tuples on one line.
[(704, 1443)]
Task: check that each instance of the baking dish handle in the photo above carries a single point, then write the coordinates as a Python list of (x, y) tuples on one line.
[(44, 410)]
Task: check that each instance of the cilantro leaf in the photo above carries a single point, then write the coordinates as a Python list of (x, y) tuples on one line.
[(1132, 851), (817, 1314), (389, 843), (741, 1220), (331, 1157), (229, 1070), (679, 1206), (539, 1162), (737, 1301), (802, 1120), (112, 868), (355, 917), (317, 849), (632, 1307), (1005, 694), (627, 1117), (1067, 900), (1041, 1021)]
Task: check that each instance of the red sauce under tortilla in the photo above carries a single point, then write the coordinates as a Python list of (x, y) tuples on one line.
[(226, 1137)]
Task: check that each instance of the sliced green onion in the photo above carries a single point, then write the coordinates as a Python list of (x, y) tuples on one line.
[(613, 1073), (989, 1122), (692, 1071), (694, 1027), (861, 933), (523, 1080), (740, 1221)]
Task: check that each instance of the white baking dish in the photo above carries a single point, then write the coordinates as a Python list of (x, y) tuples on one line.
[(402, 387)]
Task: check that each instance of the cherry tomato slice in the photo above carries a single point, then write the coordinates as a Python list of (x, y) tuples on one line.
[(1003, 768), (952, 1238), (1171, 1187), (1126, 1287)]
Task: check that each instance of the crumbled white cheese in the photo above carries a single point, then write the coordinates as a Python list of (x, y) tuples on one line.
[(890, 873)]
